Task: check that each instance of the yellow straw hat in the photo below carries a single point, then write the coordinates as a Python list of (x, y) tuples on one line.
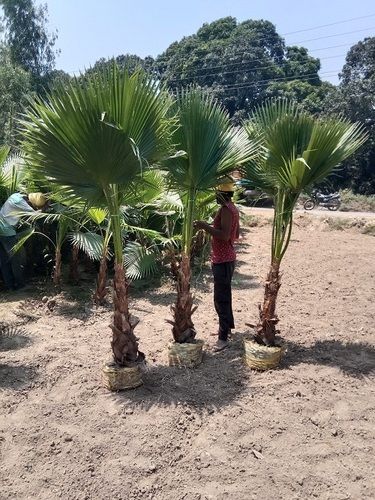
[(228, 187), (38, 200)]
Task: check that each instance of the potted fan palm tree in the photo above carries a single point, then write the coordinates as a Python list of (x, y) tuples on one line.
[(93, 139), (299, 151), (213, 149)]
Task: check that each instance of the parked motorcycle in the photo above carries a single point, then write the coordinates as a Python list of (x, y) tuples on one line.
[(330, 201)]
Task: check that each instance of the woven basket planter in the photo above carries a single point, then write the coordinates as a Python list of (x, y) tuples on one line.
[(186, 355), (261, 357), (119, 378)]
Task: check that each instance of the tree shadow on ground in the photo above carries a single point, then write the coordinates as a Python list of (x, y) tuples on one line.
[(16, 376), (160, 298), (216, 383), (354, 359), (72, 309), (202, 279), (242, 281), (13, 342)]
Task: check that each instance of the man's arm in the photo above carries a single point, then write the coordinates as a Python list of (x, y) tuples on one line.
[(225, 222)]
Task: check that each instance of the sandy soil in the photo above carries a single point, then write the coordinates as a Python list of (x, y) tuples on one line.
[(220, 431)]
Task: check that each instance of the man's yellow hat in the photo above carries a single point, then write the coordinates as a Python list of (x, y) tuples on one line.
[(38, 200), (228, 187)]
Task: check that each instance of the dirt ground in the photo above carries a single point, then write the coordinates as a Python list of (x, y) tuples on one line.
[(219, 431)]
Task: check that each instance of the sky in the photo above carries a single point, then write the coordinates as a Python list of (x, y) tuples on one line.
[(91, 29)]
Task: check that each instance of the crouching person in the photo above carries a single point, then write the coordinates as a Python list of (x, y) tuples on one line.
[(15, 207)]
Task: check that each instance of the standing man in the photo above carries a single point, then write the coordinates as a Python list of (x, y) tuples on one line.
[(16, 206), (224, 231)]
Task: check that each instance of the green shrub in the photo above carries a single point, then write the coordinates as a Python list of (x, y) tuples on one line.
[(351, 202)]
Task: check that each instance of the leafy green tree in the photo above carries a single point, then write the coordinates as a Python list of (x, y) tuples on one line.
[(128, 62), (94, 140), (355, 99), (299, 151), (236, 61), (312, 98), (30, 44), (55, 78), (298, 63), (15, 90)]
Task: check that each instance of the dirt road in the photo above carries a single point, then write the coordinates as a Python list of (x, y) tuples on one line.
[(268, 212)]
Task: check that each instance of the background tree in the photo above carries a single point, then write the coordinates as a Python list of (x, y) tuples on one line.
[(128, 62), (312, 98), (26, 35), (355, 98), (237, 61), (15, 90)]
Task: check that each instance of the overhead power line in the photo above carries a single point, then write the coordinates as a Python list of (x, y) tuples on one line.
[(240, 71), (278, 79), (209, 68), (266, 84), (297, 43), (329, 24), (332, 36), (307, 29)]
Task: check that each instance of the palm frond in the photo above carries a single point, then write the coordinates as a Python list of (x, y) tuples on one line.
[(298, 149), (144, 231), (4, 151), (140, 262), (169, 203), (213, 147), (97, 215), (97, 133), (22, 240), (91, 244)]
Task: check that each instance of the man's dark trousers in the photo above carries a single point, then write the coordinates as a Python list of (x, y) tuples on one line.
[(223, 274), (11, 265)]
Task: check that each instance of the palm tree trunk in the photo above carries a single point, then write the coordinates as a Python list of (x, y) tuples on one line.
[(57, 269), (124, 343), (266, 329), (74, 273), (183, 327), (101, 286)]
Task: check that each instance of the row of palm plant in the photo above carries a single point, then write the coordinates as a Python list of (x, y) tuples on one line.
[(97, 140)]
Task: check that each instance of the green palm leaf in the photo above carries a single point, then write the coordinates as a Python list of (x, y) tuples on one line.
[(140, 262), (97, 215), (91, 244), (87, 137), (299, 150), (213, 149)]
